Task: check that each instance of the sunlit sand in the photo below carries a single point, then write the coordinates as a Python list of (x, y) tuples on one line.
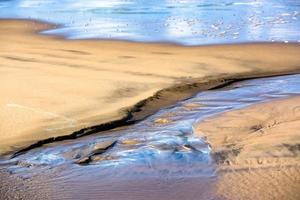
[(51, 86), (257, 147)]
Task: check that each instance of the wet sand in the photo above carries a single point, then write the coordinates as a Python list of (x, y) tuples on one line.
[(257, 150), (252, 127), (108, 189), (51, 86)]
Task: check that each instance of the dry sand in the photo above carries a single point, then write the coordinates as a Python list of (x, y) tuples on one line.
[(257, 149), (51, 86)]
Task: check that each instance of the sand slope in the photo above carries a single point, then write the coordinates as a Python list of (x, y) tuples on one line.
[(50, 86), (257, 149)]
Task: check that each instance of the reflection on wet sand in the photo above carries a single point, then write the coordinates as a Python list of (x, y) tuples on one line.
[(189, 22)]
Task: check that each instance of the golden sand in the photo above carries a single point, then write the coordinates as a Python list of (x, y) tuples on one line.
[(51, 86), (257, 149)]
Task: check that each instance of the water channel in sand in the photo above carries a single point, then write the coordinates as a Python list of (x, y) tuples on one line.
[(160, 154), (163, 144)]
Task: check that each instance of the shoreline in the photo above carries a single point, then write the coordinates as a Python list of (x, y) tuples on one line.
[(43, 25), (50, 26), (213, 70)]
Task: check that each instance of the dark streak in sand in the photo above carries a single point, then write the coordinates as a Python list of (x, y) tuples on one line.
[(19, 59), (147, 107), (75, 51)]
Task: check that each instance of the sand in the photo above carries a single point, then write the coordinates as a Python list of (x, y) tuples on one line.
[(257, 156), (51, 86), (257, 150)]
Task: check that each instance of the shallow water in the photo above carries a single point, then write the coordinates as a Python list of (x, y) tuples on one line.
[(164, 144), (189, 22)]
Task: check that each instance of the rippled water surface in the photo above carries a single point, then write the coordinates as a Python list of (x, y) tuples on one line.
[(189, 22), (163, 144)]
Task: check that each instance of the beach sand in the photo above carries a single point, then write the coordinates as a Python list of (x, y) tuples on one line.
[(257, 150), (51, 86), (257, 156)]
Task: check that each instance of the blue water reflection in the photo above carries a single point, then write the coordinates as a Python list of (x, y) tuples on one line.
[(189, 22)]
